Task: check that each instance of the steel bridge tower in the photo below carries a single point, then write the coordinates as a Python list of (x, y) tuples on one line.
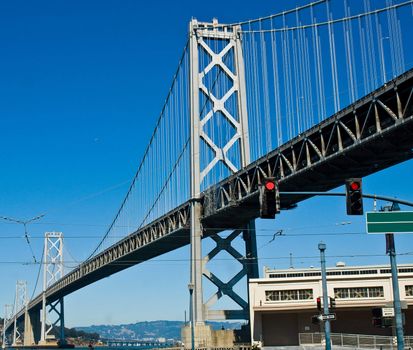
[(20, 302), (221, 45), (52, 272)]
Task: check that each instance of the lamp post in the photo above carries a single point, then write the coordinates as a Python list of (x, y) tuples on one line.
[(191, 314), (322, 247)]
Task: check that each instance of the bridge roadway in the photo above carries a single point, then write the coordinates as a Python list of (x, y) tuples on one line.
[(372, 134), (137, 342)]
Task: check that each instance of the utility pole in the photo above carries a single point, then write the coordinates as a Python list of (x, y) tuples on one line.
[(322, 247), (391, 250), (25, 223)]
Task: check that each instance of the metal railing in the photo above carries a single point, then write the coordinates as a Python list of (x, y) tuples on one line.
[(354, 340)]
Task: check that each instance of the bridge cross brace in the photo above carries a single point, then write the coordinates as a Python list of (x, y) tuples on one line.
[(224, 244)]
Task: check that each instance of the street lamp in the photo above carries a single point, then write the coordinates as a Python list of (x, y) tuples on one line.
[(327, 331), (25, 223), (191, 287)]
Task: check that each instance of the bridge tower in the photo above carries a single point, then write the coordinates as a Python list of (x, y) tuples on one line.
[(52, 272), (20, 302), (216, 50), (6, 318)]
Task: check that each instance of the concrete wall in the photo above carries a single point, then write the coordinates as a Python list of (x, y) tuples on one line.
[(205, 336)]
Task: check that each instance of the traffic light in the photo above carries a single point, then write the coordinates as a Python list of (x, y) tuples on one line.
[(332, 303), (319, 303), (269, 198), (354, 196)]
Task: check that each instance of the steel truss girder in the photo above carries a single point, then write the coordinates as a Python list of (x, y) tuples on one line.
[(372, 118), (166, 225), (175, 221)]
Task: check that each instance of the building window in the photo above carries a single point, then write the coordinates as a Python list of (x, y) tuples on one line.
[(309, 274), (406, 270), (359, 292), (409, 291), (284, 295)]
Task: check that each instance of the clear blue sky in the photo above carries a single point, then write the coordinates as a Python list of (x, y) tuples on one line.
[(82, 83)]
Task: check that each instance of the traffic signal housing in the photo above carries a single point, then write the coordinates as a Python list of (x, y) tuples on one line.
[(354, 196), (332, 303), (269, 198), (319, 303)]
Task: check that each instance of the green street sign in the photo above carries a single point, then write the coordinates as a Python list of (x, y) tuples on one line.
[(389, 222)]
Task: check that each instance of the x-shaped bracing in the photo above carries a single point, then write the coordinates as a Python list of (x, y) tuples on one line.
[(224, 244), (218, 105)]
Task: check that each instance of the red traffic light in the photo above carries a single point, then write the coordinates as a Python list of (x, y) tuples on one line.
[(319, 303), (354, 196), (270, 185)]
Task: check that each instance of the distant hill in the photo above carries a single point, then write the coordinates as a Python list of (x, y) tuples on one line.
[(148, 330)]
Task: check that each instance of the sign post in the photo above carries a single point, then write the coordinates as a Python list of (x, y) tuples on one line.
[(389, 222)]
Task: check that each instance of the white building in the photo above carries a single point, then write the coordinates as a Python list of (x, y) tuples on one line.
[(284, 301)]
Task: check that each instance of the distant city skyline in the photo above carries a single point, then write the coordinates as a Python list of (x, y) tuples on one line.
[(82, 85)]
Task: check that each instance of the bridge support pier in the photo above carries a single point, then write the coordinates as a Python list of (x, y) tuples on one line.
[(31, 328)]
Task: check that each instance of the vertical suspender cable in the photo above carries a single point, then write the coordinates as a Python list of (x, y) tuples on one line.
[(297, 81), (370, 48), (349, 61), (363, 58), (333, 60), (265, 91), (278, 116)]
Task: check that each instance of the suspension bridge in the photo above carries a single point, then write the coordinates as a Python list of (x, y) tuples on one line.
[(310, 96)]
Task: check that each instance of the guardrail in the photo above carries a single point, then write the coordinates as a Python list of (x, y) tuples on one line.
[(354, 340)]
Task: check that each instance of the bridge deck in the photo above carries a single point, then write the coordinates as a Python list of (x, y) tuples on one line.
[(372, 134)]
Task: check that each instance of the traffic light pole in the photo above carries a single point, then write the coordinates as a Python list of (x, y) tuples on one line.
[(340, 194), (327, 330)]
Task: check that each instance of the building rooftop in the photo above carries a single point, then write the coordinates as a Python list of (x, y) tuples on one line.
[(340, 270)]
